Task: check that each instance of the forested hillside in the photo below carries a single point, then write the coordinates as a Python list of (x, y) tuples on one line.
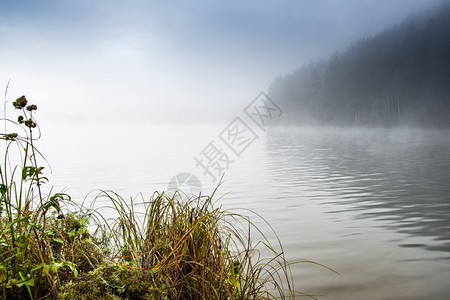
[(398, 77)]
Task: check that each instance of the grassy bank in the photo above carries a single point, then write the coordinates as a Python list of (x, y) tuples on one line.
[(165, 247)]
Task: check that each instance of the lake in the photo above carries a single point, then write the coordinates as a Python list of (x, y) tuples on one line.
[(372, 204)]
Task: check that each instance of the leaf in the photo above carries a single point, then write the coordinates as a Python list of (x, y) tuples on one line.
[(24, 281), (84, 221), (56, 266), (20, 220), (55, 199), (37, 267), (28, 172), (72, 267), (58, 240)]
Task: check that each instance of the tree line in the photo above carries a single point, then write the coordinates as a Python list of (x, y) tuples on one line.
[(400, 76)]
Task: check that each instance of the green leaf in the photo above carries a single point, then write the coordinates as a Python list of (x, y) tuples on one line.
[(37, 267), (72, 267), (56, 266), (28, 172), (20, 220), (58, 240), (24, 280), (3, 243)]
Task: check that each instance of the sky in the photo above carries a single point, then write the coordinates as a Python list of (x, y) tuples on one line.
[(86, 61)]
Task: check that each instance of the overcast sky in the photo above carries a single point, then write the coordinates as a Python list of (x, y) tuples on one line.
[(171, 61)]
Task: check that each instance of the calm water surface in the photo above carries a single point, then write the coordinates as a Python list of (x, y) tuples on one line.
[(373, 204)]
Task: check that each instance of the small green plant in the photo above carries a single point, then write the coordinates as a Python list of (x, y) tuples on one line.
[(168, 247), (36, 255)]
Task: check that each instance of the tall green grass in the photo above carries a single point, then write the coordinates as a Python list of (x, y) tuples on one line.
[(165, 247)]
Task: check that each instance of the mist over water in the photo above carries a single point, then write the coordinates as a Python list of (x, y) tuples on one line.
[(125, 90), (372, 204), (399, 176), (384, 196)]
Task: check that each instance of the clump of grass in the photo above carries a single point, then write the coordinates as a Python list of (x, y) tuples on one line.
[(179, 248), (167, 247)]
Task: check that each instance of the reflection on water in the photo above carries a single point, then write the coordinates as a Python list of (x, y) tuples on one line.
[(399, 177), (385, 202)]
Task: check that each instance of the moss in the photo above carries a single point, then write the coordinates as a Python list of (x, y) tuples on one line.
[(111, 281)]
